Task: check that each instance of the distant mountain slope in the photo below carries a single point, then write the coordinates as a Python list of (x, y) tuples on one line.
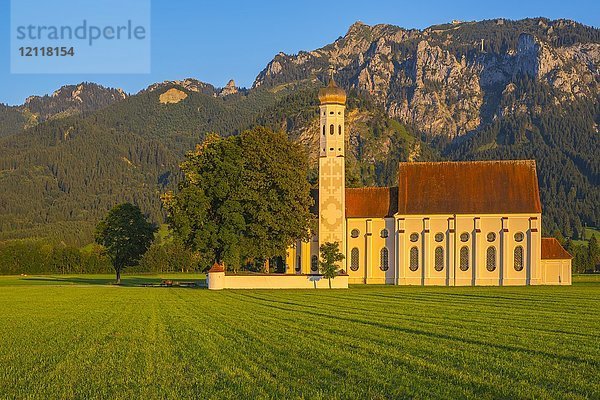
[(66, 101), (12, 120), (533, 92), (62, 175)]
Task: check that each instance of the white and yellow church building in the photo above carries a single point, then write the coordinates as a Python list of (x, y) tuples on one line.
[(445, 223)]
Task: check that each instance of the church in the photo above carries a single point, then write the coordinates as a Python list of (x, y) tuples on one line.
[(445, 223)]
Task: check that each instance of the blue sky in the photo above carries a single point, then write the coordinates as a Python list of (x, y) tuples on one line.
[(215, 41)]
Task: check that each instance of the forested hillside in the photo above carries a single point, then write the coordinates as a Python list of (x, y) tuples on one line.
[(62, 175), (531, 92)]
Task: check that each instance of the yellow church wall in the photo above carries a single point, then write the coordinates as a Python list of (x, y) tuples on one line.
[(302, 253), (410, 225), (437, 225), (451, 227), (359, 242), (556, 272), (369, 244), (464, 224), (314, 252), (291, 260)]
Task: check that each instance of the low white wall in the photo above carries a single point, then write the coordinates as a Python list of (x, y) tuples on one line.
[(220, 280)]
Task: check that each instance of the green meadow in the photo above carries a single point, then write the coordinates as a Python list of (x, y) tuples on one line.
[(67, 337)]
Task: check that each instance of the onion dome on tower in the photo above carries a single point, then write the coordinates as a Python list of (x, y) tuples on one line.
[(332, 94)]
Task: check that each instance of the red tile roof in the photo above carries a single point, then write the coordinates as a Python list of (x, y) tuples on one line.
[(450, 187), (217, 268), (552, 250), (472, 187), (371, 202)]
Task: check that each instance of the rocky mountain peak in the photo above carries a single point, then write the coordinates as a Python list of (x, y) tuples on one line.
[(190, 84), (72, 99), (230, 88), (448, 79)]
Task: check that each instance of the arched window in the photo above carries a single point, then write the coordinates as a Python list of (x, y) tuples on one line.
[(323, 130), (314, 263), (519, 258), (490, 259), (339, 129), (331, 129), (299, 264), (354, 259), (384, 259), (464, 258), (439, 258), (414, 259)]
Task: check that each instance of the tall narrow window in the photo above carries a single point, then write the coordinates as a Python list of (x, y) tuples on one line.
[(464, 258), (439, 258), (331, 129), (414, 259), (339, 129), (299, 264), (519, 258), (490, 259), (323, 130), (354, 259), (384, 259), (314, 263)]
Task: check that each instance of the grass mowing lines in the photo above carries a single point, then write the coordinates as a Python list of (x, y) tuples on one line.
[(42, 343), (365, 348), (504, 348), (366, 342)]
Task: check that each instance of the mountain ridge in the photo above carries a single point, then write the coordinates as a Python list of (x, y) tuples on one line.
[(412, 94)]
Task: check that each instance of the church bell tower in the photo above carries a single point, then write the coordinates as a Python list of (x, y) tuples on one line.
[(332, 177)]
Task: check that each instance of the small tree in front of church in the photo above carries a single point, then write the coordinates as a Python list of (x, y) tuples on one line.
[(330, 257)]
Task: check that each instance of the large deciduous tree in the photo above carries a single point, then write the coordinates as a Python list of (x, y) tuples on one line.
[(126, 235), (243, 197)]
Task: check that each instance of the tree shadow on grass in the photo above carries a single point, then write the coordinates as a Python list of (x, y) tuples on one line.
[(134, 281)]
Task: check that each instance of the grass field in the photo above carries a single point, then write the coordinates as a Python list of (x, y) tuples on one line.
[(78, 337)]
